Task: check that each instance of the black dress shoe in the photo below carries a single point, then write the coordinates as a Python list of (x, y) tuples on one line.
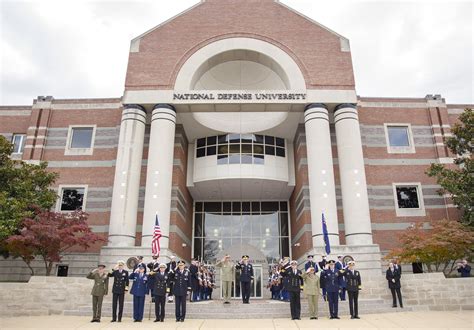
[(182, 320), (156, 320), (401, 306), (135, 320), (332, 317), (394, 306), (113, 321), (356, 317), (177, 320), (337, 317), (119, 321), (352, 317)]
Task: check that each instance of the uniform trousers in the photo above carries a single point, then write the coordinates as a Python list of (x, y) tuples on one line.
[(295, 304), (245, 291), (160, 302), (354, 302), (138, 307), (180, 304), (97, 307), (313, 305), (226, 290), (117, 299), (333, 299)]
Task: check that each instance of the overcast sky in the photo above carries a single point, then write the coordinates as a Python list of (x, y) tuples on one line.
[(79, 49)]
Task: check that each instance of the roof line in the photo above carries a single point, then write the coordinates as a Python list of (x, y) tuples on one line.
[(310, 19), (168, 20)]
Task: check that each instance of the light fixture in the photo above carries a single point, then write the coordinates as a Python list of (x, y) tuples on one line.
[(325, 183), (184, 244), (123, 184), (323, 171), (155, 196), (356, 171)]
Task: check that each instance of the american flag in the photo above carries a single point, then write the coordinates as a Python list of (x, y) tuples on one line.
[(155, 242)]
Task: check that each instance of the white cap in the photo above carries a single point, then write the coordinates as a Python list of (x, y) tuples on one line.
[(163, 265)]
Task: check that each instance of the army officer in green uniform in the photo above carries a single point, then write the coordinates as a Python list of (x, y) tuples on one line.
[(227, 276), (99, 290), (311, 291)]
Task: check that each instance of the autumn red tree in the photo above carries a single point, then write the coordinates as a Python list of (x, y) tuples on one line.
[(49, 235), (438, 247)]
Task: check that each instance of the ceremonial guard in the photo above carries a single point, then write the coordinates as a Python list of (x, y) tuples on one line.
[(227, 277), (154, 265), (171, 266), (160, 289), (119, 287), (323, 266), (284, 264), (354, 283), (139, 290), (330, 279), (182, 284), (311, 291), (246, 277), (393, 277), (195, 276), (139, 263), (99, 290), (340, 265), (294, 284), (310, 263)]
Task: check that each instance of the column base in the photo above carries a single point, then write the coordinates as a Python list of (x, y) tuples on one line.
[(109, 255), (367, 257)]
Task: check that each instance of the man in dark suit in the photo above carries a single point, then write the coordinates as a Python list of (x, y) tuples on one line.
[(340, 265), (354, 283), (159, 291), (194, 270), (182, 285), (393, 277), (464, 269), (322, 265), (246, 277), (171, 266), (331, 281), (294, 285), (119, 287)]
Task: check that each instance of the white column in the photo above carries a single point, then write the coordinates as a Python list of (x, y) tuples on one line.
[(355, 201), (123, 216), (159, 174), (322, 189)]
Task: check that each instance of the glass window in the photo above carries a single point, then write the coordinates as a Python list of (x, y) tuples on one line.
[(270, 206), (198, 248), (234, 138), (222, 139), (201, 142), (407, 197), (198, 225), (236, 207), (258, 149), (280, 142), (246, 159), (18, 142), (246, 148), (258, 138), (81, 137), (227, 207), (398, 136), (222, 159), (255, 207), (234, 159), (258, 159), (284, 224), (283, 206), (269, 150), (72, 199), (201, 152), (211, 150), (245, 206), (280, 152), (234, 149), (270, 140), (211, 140), (214, 207), (223, 150), (247, 138), (198, 206)]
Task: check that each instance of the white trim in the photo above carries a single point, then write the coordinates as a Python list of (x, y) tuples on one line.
[(22, 143), (79, 151), (61, 187), (400, 150), (418, 212)]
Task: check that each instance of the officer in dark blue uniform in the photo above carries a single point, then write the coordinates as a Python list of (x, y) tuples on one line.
[(246, 277), (119, 287), (341, 265), (331, 281), (160, 288), (139, 291), (310, 263), (182, 284), (139, 263), (194, 270), (353, 286), (294, 284), (322, 266)]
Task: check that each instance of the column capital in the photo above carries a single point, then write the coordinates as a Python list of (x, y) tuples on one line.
[(345, 105), (315, 105), (134, 106), (164, 106)]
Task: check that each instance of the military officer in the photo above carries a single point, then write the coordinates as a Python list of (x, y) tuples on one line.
[(171, 266), (340, 264), (246, 277), (182, 285), (294, 284), (119, 287), (139, 263), (331, 282), (154, 264), (227, 276), (99, 290), (311, 288), (139, 291), (159, 291), (353, 286), (310, 263), (322, 266)]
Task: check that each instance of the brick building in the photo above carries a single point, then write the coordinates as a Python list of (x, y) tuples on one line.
[(239, 127)]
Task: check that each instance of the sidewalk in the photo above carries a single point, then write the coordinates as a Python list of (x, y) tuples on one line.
[(404, 320)]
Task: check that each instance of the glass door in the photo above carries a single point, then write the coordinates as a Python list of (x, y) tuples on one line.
[(256, 288)]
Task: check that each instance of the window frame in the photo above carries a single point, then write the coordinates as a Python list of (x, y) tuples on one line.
[(396, 149), (61, 188), (405, 212), (22, 143), (79, 151)]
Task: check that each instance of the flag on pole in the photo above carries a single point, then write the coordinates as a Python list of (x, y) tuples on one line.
[(326, 236), (155, 242)]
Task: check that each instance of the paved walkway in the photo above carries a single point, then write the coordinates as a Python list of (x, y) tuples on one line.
[(403, 320)]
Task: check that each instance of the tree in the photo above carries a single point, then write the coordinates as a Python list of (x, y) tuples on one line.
[(51, 234), (22, 186), (438, 247), (459, 182)]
